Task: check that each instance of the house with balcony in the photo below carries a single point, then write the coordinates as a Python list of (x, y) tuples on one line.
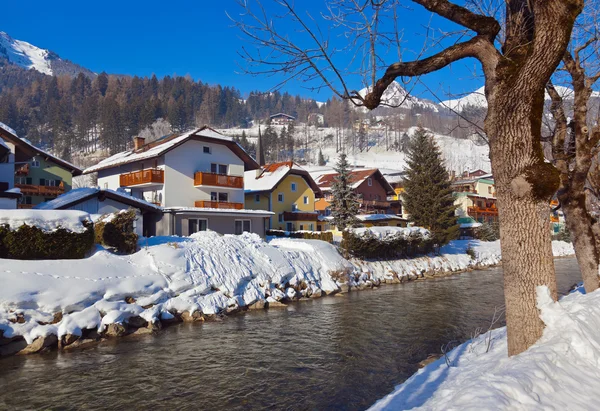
[(287, 190), (9, 196), (281, 119), (371, 188), (197, 178), (475, 200), (38, 175)]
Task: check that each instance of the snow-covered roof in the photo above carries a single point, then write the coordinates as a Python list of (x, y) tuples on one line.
[(8, 129), (378, 217), (217, 211), (271, 174), (80, 194), (167, 143), (3, 144), (282, 115), (356, 177), (46, 220)]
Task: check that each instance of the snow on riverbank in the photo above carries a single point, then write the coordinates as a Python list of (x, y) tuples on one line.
[(561, 371), (205, 274)]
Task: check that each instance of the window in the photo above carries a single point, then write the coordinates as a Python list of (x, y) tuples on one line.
[(257, 198), (242, 226), (222, 168), (301, 227), (213, 196), (35, 163), (294, 207), (369, 181), (197, 224), (289, 227), (311, 227), (294, 187), (280, 197), (489, 190), (218, 168), (305, 199), (223, 197), (106, 186), (206, 150), (23, 180), (280, 217)]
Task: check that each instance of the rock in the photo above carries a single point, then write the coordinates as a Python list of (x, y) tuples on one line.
[(19, 319), (259, 305), (155, 326), (67, 339), (145, 307), (130, 300), (344, 288), (7, 340), (430, 358), (14, 346), (57, 317), (316, 294), (193, 317), (396, 280), (169, 318), (81, 343), (276, 304), (142, 331), (137, 322), (40, 344), (115, 330)]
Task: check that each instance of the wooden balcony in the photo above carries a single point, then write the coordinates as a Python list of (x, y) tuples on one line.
[(299, 216), (488, 211), (22, 170), (25, 206), (374, 204), (554, 219), (218, 180), (45, 191), (149, 176), (217, 204)]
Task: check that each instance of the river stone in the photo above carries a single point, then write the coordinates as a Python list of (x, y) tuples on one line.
[(39, 344), (67, 339), (130, 300), (430, 358), (115, 330), (137, 322), (155, 326), (276, 304), (316, 294), (344, 288), (193, 317), (259, 305), (81, 343), (14, 346)]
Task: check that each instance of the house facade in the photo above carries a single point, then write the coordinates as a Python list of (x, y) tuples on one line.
[(39, 175), (287, 190), (281, 119), (197, 178), (475, 198)]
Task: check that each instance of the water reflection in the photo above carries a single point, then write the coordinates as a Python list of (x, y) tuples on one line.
[(331, 353)]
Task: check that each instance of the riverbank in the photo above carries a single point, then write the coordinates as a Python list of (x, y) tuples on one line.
[(75, 303), (561, 371)]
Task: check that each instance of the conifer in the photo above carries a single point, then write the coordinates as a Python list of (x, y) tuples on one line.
[(344, 206)]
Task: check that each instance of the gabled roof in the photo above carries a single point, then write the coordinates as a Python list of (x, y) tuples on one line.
[(282, 114), (356, 177), (8, 134), (80, 195), (167, 143), (272, 174)]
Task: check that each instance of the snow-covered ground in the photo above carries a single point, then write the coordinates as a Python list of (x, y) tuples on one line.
[(560, 372), (206, 274)]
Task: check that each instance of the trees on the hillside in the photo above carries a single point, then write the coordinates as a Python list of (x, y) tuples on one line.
[(516, 66), (428, 195), (321, 159), (344, 204)]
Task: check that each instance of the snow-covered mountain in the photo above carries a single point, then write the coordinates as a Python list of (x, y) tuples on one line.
[(396, 96), (28, 56)]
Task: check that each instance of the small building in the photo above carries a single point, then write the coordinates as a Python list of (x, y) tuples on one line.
[(476, 198), (96, 201), (371, 188), (287, 190), (39, 175), (9, 195), (281, 119), (316, 119)]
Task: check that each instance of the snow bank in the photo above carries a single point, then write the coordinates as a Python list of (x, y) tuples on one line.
[(561, 371), (388, 232), (46, 220)]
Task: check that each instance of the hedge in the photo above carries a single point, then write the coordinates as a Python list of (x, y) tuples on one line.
[(115, 231), (368, 246), (307, 235), (31, 243)]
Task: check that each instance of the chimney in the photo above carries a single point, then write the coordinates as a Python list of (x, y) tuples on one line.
[(138, 142)]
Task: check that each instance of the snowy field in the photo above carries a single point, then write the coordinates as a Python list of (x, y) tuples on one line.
[(205, 274), (560, 372)]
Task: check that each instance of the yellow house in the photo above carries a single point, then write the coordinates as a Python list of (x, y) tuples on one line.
[(476, 199), (287, 190)]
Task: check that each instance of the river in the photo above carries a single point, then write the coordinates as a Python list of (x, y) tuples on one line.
[(339, 353)]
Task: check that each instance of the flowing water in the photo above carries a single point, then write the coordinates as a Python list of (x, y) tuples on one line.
[(339, 353)]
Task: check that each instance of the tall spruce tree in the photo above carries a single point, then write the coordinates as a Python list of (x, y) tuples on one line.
[(428, 198), (321, 159), (344, 206)]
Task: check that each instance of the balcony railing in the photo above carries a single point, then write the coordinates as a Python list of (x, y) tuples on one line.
[(218, 180), (149, 176), (554, 219), (482, 211), (374, 203), (219, 204), (25, 206), (46, 191), (22, 170), (299, 216)]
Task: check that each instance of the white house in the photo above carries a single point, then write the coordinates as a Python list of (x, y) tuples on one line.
[(196, 177), (8, 195)]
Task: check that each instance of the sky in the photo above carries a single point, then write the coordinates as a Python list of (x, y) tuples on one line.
[(194, 38)]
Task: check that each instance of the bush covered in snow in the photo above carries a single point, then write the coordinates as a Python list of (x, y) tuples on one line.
[(387, 242), (33, 243), (306, 235), (116, 231)]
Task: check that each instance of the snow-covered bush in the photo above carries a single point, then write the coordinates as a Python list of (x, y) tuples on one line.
[(116, 231), (306, 235), (29, 242), (387, 242)]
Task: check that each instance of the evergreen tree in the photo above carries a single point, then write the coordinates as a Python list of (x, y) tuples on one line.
[(344, 205), (487, 232), (428, 198), (321, 159)]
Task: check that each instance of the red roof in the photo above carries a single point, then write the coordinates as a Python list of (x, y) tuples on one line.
[(271, 168), (356, 176)]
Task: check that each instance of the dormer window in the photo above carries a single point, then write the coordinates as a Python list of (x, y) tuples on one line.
[(369, 181), (35, 163), (206, 150)]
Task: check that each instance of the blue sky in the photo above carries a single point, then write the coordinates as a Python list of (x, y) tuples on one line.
[(182, 37)]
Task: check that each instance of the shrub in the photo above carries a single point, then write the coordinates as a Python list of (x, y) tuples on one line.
[(31, 243), (487, 232), (471, 252), (307, 235), (367, 245), (562, 235), (116, 231)]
